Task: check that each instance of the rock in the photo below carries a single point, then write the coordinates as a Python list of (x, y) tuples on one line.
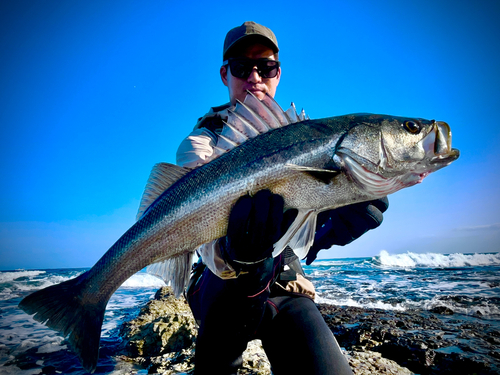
[(442, 310), (162, 339), (164, 325), (422, 341), (368, 363), (255, 360)]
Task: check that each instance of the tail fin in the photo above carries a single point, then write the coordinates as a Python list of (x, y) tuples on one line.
[(60, 307)]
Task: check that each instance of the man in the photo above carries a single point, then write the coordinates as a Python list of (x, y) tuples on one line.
[(238, 292)]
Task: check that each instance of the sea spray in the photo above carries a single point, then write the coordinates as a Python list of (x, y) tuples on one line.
[(438, 260)]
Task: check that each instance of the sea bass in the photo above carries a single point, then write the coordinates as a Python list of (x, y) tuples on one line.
[(315, 165)]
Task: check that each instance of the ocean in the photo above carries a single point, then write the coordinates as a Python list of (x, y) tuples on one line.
[(467, 284)]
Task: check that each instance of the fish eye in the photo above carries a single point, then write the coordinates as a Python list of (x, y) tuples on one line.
[(412, 127)]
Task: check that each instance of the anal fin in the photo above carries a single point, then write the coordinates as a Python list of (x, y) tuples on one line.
[(173, 271)]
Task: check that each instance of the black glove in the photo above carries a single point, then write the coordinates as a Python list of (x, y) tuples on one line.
[(255, 224), (344, 224)]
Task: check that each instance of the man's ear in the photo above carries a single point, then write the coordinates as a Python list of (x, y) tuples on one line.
[(223, 74)]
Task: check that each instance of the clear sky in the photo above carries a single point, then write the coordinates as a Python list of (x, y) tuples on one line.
[(94, 93)]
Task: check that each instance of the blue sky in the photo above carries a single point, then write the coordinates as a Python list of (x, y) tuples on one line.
[(94, 93)]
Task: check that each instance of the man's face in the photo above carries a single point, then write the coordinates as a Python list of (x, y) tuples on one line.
[(254, 83)]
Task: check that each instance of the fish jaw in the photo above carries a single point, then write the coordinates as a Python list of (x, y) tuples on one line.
[(390, 172), (437, 145)]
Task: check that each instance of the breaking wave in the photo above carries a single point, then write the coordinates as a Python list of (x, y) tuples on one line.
[(411, 260), (143, 280)]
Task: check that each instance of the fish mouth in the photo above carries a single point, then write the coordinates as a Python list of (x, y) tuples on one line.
[(438, 154), (437, 145)]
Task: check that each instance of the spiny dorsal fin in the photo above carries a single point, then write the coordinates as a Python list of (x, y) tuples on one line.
[(251, 118), (275, 108), (263, 111), (292, 113), (162, 176)]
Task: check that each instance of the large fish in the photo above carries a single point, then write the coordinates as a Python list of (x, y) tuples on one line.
[(315, 165)]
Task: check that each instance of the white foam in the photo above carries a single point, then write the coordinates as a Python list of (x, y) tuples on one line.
[(336, 262), (411, 260), (10, 276), (353, 303), (483, 309), (143, 280), (14, 283), (53, 346)]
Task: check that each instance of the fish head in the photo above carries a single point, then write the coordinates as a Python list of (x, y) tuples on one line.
[(384, 154)]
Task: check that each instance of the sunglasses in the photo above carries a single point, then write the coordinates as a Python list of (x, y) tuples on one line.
[(241, 67)]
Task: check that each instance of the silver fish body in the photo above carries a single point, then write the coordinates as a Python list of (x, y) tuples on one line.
[(314, 164)]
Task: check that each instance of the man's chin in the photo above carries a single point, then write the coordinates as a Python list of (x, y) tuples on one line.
[(258, 93)]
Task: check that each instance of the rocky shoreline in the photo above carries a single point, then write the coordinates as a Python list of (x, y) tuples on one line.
[(162, 340), (426, 342)]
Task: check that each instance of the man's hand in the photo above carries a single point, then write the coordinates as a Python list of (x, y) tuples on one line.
[(255, 224), (345, 224)]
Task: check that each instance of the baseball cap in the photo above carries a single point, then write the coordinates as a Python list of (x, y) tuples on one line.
[(244, 32)]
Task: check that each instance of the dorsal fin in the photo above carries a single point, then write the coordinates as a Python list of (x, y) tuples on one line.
[(162, 176), (263, 111), (252, 117), (275, 108), (292, 113)]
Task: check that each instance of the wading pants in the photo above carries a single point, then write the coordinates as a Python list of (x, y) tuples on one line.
[(294, 335)]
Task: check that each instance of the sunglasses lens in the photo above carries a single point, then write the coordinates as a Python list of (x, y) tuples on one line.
[(241, 68), (268, 69)]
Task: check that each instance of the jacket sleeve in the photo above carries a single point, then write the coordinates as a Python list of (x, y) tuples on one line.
[(196, 148), (193, 152)]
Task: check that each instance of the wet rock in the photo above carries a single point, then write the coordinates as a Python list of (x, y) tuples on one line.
[(422, 341), (442, 310), (49, 370)]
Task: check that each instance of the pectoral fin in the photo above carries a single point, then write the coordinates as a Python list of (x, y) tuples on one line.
[(300, 235), (322, 174)]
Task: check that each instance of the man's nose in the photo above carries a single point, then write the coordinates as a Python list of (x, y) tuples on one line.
[(254, 76)]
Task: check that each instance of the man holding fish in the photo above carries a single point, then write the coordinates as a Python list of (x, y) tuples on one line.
[(238, 291), (232, 200)]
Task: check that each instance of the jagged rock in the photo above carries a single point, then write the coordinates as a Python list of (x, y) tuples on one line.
[(424, 342), (164, 325), (162, 339), (369, 363)]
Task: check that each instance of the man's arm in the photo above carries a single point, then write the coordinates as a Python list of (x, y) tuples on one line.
[(196, 148)]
